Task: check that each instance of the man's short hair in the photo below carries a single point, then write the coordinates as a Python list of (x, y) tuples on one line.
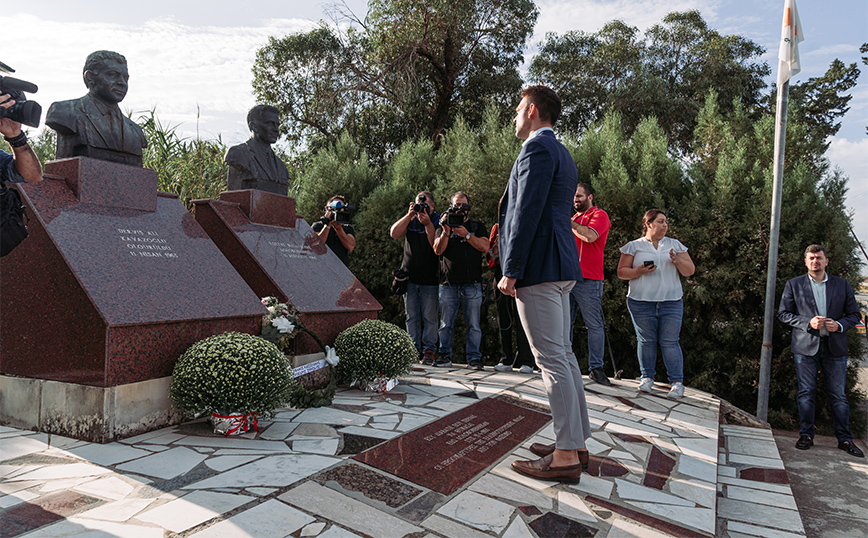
[(589, 191), (255, 113), (546, 101), (96, 60), (813, 249), (460, 193), (336, 197)]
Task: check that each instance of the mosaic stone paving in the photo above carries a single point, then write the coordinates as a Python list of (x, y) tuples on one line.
[(658, 468)]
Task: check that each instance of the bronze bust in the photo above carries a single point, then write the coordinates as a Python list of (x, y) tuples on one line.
[(253, 164), (93, 126)]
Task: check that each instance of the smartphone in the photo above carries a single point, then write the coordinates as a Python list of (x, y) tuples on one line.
[(648, 263)]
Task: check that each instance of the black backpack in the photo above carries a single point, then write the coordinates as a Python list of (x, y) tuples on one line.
[(12, 214)]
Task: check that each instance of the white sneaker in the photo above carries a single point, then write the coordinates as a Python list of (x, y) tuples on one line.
[(646, 384), (526, 369), (677, 390), (503, 367)]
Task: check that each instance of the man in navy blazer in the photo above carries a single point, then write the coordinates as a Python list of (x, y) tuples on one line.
[(821, 308), (540, 265)]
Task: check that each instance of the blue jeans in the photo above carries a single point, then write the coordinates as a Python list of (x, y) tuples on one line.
[(420, 303), (835, 373), (470, 297), (588, 295), (658, 322)]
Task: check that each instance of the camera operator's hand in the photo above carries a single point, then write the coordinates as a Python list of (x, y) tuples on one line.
[(424, 217), (26, 162), (461, 231), (8, 128)]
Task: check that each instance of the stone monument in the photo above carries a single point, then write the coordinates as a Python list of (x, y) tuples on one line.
[(93, 125), (253, 164)]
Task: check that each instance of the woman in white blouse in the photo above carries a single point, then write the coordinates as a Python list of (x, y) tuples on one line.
[(652, 264)]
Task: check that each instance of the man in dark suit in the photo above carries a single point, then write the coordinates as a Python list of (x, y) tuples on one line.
[(821, 308), (253, 164), (93, 126), (540, 265)]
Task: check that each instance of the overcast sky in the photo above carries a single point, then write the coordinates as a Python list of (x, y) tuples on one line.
[(191, 60)]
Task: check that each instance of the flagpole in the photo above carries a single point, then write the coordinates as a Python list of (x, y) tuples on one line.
[(762, 405)]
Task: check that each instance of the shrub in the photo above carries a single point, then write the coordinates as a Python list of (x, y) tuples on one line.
[(372, 348), (231, 372)]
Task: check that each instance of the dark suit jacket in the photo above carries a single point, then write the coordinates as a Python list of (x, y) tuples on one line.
[(536, 240), (250, 168), (84, 130), (798, 307)]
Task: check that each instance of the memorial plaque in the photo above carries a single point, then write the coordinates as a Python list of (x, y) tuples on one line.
[(445, 454), (279, 255), (106, 291)]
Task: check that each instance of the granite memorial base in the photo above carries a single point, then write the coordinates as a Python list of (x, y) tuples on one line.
[(278, 255), (114, 282)]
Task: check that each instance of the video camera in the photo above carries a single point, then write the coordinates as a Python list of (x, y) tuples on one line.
[(23, 111), (340, 212), (422, 205), (457, 215)]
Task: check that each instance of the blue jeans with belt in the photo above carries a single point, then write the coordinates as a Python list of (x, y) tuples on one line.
[(835, 374), (658, 323), (470, 297)]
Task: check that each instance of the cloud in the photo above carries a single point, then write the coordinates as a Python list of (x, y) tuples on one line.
[(850, 157), (834, 49)]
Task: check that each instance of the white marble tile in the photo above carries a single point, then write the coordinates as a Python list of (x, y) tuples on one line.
[(144, 437), (478, 511), (169, 464), (723, 470), (7, 488), (697, 468), (223, 463), (572, 506), (621, 455), (518, 529), (338, 532), (278, 471), (335, 417), (368, 432), (234, 443), (70, 470), (18, 497), (317, 446), (639, 430), (121, 510), (504, 469), (15, 447), (278, 431), (64, 483), (626, 529), (108, 454), (347, 512), (664, 443), (192, 509), (241, 452), (756, 484), (701, 519), (411, 422), (633, 492), (393, 419), (110, 487), (267, 520), (704, 449), (418, 400), (262, 492), (701, 493), (9, 471), (754, 461), (781, 500), (747, 512), (453, 529), (592, 485), (595, 447), (750, 446), (496, 486), (756, 530), (381, 426), (313, 529), (93, 528)]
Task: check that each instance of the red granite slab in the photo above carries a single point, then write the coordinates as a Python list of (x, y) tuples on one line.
[(651, 521), (28, 516), (445, 454), (284, 258), (659, 469), (759, 474), (107, 294)]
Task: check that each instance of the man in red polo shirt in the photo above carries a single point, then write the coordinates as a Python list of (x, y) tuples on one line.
[(591, 228)]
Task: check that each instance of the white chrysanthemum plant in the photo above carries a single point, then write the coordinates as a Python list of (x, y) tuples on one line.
[(373, 354)]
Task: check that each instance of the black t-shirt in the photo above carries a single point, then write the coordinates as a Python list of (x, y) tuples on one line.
[(334, 243), (419, 258), (460, 263)]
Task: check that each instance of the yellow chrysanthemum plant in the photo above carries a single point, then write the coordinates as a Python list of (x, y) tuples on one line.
[(373, 354)]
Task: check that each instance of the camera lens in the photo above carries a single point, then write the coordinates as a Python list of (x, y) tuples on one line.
[(417, 207)]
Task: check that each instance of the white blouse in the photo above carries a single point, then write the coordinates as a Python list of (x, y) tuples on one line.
[(664, 283)]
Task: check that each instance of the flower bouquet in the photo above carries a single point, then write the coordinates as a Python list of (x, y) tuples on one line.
[(374, 354), (235, 377)]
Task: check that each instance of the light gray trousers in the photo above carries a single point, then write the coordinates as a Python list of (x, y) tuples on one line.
[(544, 310)]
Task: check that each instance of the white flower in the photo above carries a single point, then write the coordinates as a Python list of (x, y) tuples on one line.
[(283, 325), (332, 356), (271, 310)]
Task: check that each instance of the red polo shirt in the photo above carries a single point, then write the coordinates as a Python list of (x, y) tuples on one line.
[(591, 254)]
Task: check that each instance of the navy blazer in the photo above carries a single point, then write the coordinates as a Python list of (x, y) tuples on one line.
[(536, 239), (798, 307)]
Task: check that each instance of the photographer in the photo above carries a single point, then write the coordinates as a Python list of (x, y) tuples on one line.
[(22, 165), (418, 228), (333, 230), (460, 242)]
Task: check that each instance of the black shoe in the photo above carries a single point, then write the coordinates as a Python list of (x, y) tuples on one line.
[(599, 376), (475, 365), (443, 361), (428, 358), (850, 448), (805, 442)]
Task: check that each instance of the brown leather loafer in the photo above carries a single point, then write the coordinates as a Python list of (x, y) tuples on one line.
[(544, 450), (542, 469)]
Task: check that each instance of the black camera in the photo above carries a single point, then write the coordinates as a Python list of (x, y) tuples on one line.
[(457, 215), (23, 111), (340, 212), (421, 206)]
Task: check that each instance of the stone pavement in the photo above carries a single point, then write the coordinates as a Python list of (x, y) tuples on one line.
[(659, 468)]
